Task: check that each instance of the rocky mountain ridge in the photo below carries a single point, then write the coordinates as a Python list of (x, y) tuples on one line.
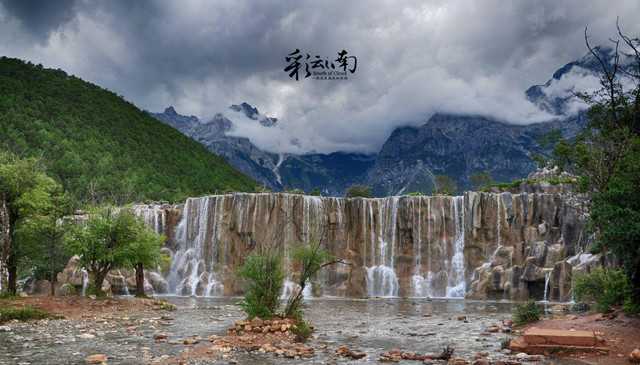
[(446, 144)]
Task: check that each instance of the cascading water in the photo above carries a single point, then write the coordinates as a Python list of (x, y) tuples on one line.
[(190, 274), (456, 286), (453, 269), (547, 276), (85, 281), (395, 246), (381, 276)]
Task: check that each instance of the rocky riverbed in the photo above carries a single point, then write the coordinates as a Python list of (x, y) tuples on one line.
[(130, 331)]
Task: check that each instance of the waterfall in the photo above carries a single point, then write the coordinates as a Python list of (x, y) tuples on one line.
[(381, 277), (198, 233), (126, 286), (85, 281), (547, 276), (456, 286)]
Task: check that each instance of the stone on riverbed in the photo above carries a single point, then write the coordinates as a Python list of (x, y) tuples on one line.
[(538, 341)]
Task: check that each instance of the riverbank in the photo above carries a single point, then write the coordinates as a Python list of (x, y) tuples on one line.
[(137, 331)]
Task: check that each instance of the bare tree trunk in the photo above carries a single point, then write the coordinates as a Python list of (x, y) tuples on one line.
[(98, 279), (12, 269), (53, 281), (140, 280)]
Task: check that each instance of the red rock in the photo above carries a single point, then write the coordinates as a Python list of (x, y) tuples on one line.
[(96, 359)]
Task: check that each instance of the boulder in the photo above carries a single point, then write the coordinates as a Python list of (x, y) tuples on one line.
[(66, 289), (532, 272), (157, 282)]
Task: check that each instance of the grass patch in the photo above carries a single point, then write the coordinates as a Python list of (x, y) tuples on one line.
[(526, 313), (24, 314)]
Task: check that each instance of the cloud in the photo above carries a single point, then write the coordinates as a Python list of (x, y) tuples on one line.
[(415, 58), (40, 17)]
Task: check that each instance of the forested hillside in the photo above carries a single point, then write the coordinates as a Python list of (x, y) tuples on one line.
[(99, 146)]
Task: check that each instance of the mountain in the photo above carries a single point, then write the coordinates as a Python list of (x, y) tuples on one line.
[(331, 173), (100, 146), (459, 146), (446, 144)]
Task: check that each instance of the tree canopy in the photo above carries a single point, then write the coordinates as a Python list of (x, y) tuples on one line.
[(100, 147)]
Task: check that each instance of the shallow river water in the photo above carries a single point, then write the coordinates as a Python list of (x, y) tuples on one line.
[(372, 326)]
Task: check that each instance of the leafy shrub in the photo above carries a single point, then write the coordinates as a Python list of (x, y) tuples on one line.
[(164, 305), (358, 191), (302, 330), (526, 313), (165, 263), (23, 314), (606, 287), (264, 277), (415, 193), (295, 191), (445, 185)]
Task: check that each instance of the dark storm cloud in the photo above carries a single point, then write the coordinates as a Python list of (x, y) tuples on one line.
[(415, 57), (40, 17)]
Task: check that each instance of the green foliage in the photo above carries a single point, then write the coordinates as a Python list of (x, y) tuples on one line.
[(445, 185), (144, 247), (606, 157), (262, 189), (606, 287), (295, 191), (35, 203), (481, 179), (415, 193), (550, 139), (526, 313), (310, 259), (99, 146), (109, 238), (165, 263), (316, 192), (303, 330), (164, 305), (23, 314), (358, 191), (264, 276)]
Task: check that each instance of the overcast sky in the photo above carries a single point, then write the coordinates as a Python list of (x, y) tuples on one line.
[(414, 57)]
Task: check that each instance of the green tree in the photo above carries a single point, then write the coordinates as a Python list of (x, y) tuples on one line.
[(445, 185), (104, 241), (606, 157), (264, 276), (143, 252), (480, 180), (358, 191), (310, 259), (97, 145), (41, 236), (27, 192), (316, 192)]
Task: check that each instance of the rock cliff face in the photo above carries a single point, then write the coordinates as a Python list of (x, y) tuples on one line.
[(479, 245)]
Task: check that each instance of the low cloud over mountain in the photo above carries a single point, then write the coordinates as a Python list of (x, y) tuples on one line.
[(415, 58)]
